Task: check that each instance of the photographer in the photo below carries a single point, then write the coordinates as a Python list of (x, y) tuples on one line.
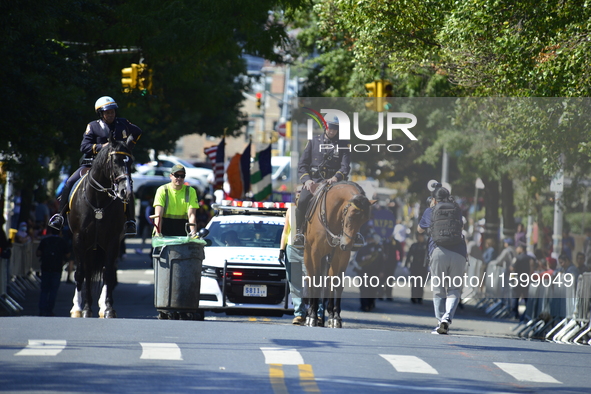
[(447, 253)]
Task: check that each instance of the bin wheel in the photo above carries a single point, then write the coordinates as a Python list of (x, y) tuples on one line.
[(162, 315), (187, 316), (200, 315), (175, 316)]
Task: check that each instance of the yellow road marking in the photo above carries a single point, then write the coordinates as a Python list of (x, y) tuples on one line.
[(307, 381), (277, 378), (252, 319)]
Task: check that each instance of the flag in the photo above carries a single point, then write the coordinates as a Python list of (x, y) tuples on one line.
[(239, 174), (260, 175), (245, 168), (235, 178), (216, 156)]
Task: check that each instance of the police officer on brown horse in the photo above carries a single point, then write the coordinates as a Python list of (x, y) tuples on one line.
[(325, 158), (95, 138)]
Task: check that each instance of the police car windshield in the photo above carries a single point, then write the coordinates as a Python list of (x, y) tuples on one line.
[(258, 233)]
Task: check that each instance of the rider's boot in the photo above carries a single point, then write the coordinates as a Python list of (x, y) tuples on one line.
[(130, 227), (299, 239), (57, 220)]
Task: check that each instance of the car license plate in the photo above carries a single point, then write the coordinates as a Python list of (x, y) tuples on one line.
[(255, 290)]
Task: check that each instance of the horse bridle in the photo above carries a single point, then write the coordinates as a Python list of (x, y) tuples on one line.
[(114, 180)]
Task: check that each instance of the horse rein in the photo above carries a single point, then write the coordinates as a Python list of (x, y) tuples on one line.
[(110, 191), (333, 239)]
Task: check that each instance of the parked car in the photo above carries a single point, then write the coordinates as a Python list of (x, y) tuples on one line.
[(165, 161), (241, 270), (156, 176)]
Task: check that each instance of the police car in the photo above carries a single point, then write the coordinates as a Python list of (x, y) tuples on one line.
[(241, 269)]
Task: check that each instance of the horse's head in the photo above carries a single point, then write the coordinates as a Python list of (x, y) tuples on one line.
[(355, 214), (116, 163)]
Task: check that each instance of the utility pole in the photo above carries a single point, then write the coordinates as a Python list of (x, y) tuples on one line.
[(557, 186)]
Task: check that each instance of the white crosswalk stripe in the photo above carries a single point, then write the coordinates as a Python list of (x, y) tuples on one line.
[(290, 356), (43, 347), (410, 364), (277, 355), (160, 351), (526, 373)]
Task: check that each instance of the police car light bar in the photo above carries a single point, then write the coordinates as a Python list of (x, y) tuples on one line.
[(241, 207)]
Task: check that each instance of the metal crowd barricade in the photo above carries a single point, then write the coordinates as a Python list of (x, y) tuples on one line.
[(497, 296), (19, 274), (554, 311), (472, 288)]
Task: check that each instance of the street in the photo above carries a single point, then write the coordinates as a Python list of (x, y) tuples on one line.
[(387, 350)]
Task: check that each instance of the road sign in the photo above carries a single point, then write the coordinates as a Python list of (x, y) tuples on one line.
[(281, 129)]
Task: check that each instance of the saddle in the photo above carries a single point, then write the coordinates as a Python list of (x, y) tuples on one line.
[(83, 173), (317, 196)]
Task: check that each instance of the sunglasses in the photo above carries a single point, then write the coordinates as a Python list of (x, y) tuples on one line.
[(182, 176)]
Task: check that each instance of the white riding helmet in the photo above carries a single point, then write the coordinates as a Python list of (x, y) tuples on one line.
[(334, 121), (104, 103)]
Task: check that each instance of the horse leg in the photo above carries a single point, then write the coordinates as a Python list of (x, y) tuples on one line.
[(311, 319), (110, 281), (338, 322), (76, 310), (330, 311), (102, 302), (87, 311)]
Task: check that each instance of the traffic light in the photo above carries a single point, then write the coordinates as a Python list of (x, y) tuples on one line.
[(386, 92), (129, 78), (144, 79), (372, 91), (379, 91), (259, 96)]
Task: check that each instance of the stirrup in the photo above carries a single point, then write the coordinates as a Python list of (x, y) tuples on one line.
[(130, 228), (56, 221), (299, 241)]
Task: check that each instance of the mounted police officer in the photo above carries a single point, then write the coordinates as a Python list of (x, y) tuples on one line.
[(95, 138), (325, 158)]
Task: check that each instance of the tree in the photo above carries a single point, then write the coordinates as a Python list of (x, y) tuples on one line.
[(60, 56)]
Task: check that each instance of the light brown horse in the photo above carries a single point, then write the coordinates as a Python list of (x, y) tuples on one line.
[(337, 213)]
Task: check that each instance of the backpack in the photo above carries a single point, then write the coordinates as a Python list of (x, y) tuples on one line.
[(446, 224)]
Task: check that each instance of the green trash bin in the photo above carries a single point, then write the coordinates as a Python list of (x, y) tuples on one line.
[(177, 276)]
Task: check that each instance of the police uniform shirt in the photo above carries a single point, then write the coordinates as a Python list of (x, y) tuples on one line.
[(97, 133), (318, 164)]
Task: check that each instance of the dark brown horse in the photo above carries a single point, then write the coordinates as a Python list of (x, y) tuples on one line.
[(97, 220), (338, 212)]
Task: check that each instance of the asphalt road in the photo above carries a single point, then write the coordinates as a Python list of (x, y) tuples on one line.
[(387, 350)]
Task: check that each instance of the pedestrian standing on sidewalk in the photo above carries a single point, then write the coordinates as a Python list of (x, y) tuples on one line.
[(447, 254), (52, 251)]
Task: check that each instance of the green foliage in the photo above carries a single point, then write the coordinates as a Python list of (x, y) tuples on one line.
[(60, 56)]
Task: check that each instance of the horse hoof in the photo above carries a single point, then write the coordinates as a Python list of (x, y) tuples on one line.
[(101, 314), (337, 323), (311, 322), (76, 314), (330, 323), (86, 314), (110, 314)]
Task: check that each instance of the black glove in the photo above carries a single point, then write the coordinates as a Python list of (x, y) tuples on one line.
[(282, 255)]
